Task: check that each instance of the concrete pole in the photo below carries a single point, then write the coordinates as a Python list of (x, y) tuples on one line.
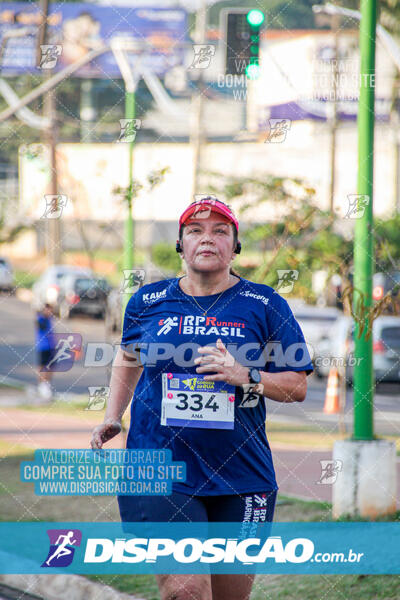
[(53, 229)]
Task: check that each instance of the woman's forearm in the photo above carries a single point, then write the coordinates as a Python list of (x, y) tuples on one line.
[(125, 374), (289, 386)]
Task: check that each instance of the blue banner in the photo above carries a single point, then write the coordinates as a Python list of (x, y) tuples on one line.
[(302, 548), (74, 29)]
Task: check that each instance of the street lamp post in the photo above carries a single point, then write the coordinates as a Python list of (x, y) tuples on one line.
[(363, 238)]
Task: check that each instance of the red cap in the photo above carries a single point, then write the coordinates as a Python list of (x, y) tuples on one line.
[(204, 206)]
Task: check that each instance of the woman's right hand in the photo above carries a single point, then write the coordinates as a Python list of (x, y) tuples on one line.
[(104, 432)]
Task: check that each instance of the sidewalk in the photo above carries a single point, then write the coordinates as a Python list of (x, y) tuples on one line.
[(297, 471)]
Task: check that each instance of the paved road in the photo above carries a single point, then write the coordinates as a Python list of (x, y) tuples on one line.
[(17, 360)]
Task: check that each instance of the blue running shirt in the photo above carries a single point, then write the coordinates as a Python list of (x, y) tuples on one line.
[(257, 326), (44, 333)]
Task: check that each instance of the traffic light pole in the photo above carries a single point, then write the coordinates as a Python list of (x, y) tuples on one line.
[(198, 135), (363, 240)]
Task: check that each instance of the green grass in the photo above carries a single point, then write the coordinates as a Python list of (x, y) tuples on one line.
[(280, 587), (75, 408), (24, 279), (144, 586), (305, 436), (19, 502), (72, 408), (326, 587)]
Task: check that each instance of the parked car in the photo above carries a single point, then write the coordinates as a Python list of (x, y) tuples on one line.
[(6, 276), (114, 311), (47, 288), (316, 323), (85, 295), (383, 283), (334, 347), (385, 347), (114, 300)]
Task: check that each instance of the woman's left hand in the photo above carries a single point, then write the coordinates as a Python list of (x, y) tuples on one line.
[(220, 360)]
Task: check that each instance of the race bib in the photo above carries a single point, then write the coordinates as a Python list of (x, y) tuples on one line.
[(192, 401)]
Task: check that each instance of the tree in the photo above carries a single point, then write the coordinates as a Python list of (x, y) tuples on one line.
[(297, 235)]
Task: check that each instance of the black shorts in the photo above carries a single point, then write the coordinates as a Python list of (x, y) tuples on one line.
[(254, 507), (45, 357)]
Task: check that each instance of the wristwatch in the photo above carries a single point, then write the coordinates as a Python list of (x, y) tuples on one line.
[(254, 375)]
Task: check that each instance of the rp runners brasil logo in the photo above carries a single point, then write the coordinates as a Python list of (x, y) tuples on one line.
[(62, 547)]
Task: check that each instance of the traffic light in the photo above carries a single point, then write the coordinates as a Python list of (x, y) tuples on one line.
[(242, 41)]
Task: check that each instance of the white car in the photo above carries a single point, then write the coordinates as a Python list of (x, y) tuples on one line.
[(6, 276), (316, 323), (339, 349)]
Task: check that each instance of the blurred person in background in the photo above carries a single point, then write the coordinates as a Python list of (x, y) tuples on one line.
[(45, 345)]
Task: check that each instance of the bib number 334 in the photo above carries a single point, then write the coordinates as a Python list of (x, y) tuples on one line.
[(194, 402)]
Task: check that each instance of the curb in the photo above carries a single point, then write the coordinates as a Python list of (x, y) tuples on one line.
[(29, 396), (9, 382), (64, 587)]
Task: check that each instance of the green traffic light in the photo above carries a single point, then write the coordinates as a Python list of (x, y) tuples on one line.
[(255, 17), (253, 71)]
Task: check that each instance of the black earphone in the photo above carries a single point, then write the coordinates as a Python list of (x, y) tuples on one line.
[(237, 250)]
